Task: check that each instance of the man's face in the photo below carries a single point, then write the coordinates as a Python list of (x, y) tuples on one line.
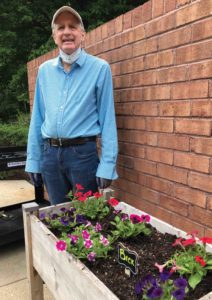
[(67, 33)]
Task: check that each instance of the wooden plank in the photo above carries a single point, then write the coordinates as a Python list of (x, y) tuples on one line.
[(15, 192), (65, 276), (34, 279)]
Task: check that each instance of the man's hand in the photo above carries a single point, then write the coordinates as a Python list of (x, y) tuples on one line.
[(103, 183), (36, 179)]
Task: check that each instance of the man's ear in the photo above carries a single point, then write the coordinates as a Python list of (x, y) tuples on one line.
[(83, 35)]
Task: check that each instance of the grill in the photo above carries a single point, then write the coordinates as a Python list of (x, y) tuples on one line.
[(11, 220)]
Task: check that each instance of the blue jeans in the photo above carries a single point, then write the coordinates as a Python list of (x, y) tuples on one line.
[(63, 167)]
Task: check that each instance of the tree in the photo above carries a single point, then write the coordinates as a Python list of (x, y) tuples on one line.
[(26, 34)]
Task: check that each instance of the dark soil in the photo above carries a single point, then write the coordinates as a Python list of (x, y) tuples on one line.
[(150, 249)]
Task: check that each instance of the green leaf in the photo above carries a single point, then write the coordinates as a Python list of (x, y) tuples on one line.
[(194, 279)]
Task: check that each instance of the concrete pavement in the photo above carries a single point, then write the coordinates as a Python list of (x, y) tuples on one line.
[(13, 280)]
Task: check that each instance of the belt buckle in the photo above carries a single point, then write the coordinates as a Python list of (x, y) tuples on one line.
[(60, 142)]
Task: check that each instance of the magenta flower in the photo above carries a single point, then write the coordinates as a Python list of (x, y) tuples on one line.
[(88, 244), (85, 234), (145, 218), (91, 256), (98, 227), (104, 240), (61, 245), (135, 218)]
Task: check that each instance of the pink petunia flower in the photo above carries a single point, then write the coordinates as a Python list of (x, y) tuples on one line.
[(160, 267), (85, 234), (104, 240), (188, 242), (135, 218), (98, 227), (177, 242), (88, 244), (74, 239), (61, 245)]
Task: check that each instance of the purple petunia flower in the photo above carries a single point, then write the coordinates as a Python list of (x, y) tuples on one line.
[(179, 294), (91, 256), (63, 209), (104, 240), (139, 288), (74, 239), (81, 219), (64, 221), (165, 275), (42, 216), (181, 283), (98, 227), (54, 216), (124, 217)]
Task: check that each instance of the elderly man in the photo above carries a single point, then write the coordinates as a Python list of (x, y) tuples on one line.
[(73, 105)]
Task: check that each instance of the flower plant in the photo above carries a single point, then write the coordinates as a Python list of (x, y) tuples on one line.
[(162, 288), (190, 259)]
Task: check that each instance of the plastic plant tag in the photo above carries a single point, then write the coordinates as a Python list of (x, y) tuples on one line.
[(128, 258)]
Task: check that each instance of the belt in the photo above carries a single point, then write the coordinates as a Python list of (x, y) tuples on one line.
[(70, 142)]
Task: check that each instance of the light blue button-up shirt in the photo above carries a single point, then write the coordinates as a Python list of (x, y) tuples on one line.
[(73, 104)]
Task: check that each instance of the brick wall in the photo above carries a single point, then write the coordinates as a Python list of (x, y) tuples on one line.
[(161, 59)]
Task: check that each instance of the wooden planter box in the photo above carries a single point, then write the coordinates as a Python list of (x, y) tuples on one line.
[(65, 276)]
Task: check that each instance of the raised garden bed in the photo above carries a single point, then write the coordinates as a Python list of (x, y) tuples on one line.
[(65, 276)]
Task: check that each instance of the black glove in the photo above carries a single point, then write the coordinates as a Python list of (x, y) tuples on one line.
[(36, 179), (103, 183)]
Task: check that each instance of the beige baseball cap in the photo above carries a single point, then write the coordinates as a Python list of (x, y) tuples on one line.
[(68, 9)]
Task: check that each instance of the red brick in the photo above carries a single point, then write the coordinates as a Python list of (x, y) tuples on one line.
[(172, 141), (151, 61), (208, 232), (173, 204), (116, 69), (147, 11), (196, 127), (139, 48), (145, 109), (119, 24), (201, 108), (158, 92), (160, 185), (143, 78), (194, 52), (172, 173), (126, 161), (127, 37), (131, 123), (200, 181), (122, 81), (200, 215), (132, 150), (111, 28), (209, 202), (165, 58), (194, 89), (104, 31), (152, 45), (157, 8), (150, 195), (139, 33), (175, 38), (186, 224), (169, 5), (202, 145), (151, 139), (193, 12), (200, 70), (137, 16), (160, 125), (179, 108), (138, 64), (192, 162), (202, 30), (160, 25), (128, 174), (127, 66), (172, 74), (159, 155), (145, 166), (127, 20), (210, 88), (190, 195)]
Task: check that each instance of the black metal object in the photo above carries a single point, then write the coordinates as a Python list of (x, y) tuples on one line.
[(11, 219)]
